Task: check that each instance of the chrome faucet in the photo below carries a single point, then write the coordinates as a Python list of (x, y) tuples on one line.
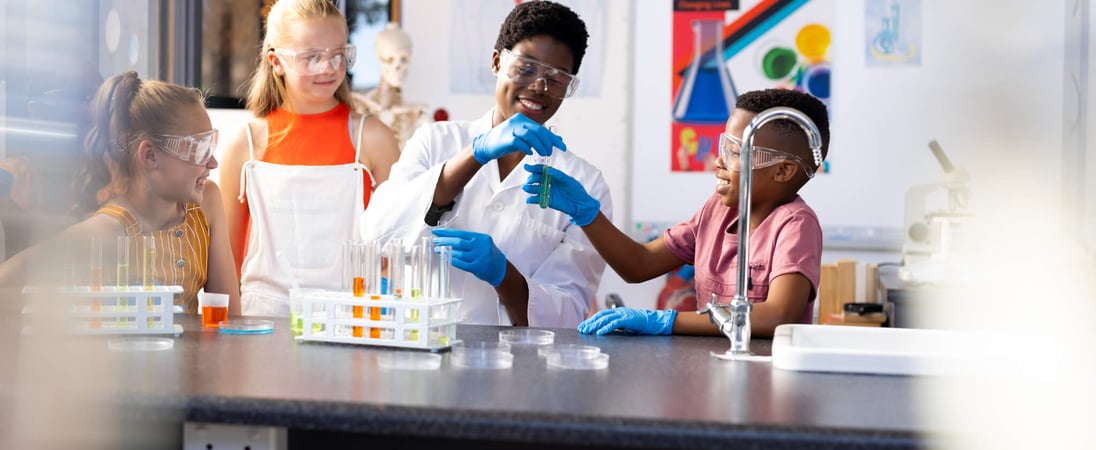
[(734, 320)]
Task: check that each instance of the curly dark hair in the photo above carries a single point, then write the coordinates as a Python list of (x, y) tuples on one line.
[(813, 108), (543, 17)]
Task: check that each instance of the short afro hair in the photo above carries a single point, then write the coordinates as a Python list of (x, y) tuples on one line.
[(760, 100), (543, 17)]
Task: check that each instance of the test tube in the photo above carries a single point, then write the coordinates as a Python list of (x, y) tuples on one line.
[(95, 277), (395, 267), (546, 180), (423, 268), (356, 272), (445, 261), (123, 274), (148, 277), (420, 270), (373, 285), (148, 252)]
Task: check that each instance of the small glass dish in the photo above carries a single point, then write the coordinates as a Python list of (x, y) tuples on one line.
[(482, 355), (409, 361), (526, 336), (587, 351), (140, 344), (247, 326), (577, 358)]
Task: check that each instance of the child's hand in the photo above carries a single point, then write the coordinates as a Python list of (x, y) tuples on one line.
[(516, 134), (641, 321), (474, 253), (565, 194)]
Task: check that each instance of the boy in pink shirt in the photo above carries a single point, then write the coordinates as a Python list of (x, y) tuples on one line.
[(785, 237)]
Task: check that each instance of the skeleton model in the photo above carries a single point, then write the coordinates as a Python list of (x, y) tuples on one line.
[(386, 100)]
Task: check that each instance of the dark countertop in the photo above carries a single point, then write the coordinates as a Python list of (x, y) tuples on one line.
[(658, 392)]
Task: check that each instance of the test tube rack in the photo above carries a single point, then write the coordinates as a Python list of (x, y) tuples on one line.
[(426, 323), (111, 310)]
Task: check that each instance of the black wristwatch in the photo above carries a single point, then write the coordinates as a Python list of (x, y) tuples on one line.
[(434, 213)]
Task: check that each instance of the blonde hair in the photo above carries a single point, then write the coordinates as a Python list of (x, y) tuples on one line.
[(267, 90), (125, 111)]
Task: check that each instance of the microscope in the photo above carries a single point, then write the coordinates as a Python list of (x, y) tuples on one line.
[(933, 237)]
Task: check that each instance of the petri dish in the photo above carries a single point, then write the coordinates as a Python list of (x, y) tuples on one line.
[(140, 344), (482, 355), (577, 359), (588, 351), (526, 336), (409, 361), (247, 326)]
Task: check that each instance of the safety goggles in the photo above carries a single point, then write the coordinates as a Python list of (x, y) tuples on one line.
[(527, 71), (730, 150), (314, 62), (195, 149)]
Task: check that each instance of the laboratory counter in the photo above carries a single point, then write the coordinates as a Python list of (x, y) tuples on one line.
[(657, 392)]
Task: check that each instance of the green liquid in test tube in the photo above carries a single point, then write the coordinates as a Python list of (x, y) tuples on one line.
[(546, 178)]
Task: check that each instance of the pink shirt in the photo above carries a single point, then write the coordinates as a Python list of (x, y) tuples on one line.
[(789, 240)]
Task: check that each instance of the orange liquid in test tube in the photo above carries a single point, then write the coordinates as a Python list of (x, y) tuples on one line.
[(359, 291), (375, 315), (212, 316)]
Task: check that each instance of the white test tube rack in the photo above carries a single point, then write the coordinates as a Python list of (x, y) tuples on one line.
[(145, 312), (434, 329)]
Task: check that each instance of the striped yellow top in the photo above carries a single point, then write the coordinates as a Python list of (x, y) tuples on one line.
[(182, 252)]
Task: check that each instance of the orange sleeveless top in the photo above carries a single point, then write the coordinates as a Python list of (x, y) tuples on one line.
[(322, 139), (182, 252)]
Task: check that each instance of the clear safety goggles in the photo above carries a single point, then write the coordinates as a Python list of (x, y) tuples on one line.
[(527, 71), (314, 62), (195, 149), (730, 150)]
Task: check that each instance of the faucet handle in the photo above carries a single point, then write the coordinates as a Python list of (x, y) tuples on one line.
[(708, 307)]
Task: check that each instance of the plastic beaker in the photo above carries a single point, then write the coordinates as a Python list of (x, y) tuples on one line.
[(214, 308)]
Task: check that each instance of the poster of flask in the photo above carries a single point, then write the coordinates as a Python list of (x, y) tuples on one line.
[(723, 47)]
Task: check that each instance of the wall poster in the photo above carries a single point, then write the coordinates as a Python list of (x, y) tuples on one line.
[(723, 47)]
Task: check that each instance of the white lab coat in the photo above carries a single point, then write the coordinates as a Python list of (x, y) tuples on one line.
[(562, 268)]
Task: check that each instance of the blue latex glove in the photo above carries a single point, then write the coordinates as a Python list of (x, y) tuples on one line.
[(642, 321), (565, 194), (516, 134), (474, 253)]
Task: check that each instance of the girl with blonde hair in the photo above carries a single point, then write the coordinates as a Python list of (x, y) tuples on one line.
[(298, 175)]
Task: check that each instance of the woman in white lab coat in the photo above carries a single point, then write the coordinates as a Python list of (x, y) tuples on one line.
[(520, 264)]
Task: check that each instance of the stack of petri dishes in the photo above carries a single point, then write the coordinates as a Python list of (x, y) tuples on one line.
[(482, 355), (574, 356)]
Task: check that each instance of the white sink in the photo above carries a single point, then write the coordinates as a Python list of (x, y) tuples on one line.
[(886, 351)]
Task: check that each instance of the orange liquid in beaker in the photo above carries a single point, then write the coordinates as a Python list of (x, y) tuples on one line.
[(212, 316)]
